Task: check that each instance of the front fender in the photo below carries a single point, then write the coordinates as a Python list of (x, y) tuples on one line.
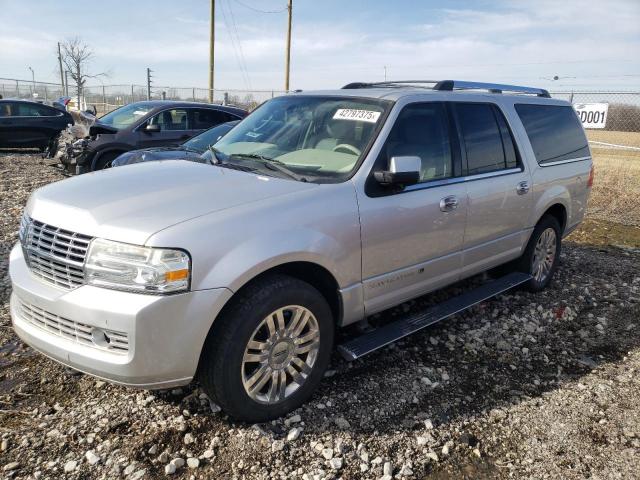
[(229, 247), (257, 255)]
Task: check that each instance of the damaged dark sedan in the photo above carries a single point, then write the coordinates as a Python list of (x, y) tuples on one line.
[(139, 125), (194, 149)]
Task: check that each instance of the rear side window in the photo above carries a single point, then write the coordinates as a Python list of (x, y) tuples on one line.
[(8, 109), (206, 118), (27, 110), (554, 131), (486, 138)]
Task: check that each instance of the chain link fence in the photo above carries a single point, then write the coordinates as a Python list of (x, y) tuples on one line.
[(615, 195), (623, 107), (109, 97)]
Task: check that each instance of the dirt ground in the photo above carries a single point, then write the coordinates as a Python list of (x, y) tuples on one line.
[(522, 386)]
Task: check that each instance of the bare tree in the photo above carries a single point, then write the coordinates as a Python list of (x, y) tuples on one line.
[(76, 56)]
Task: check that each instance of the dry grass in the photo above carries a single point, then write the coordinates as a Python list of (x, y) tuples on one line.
[(616, 190), (631, 139)]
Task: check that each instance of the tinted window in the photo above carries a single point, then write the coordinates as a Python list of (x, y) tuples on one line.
[(482, 139), (508, 145), (27, 110), (554, 131), (8, 109), (206, 118), (421, 130), (173, 119)]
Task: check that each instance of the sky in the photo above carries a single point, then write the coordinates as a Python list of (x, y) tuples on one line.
[(587, 44)]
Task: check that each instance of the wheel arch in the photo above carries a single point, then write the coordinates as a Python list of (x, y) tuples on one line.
[(315, 274), (559, 211), (120, 149)]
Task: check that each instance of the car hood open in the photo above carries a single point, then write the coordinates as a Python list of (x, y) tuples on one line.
[(130, 204)]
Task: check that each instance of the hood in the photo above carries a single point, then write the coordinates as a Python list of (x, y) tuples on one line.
[(130, 204), (100, 128), (159, 153)]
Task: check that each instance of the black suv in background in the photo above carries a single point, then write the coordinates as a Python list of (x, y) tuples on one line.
[(141, 125), (31, 124)]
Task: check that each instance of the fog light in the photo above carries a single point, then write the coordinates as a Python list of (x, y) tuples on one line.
[(100, 337)]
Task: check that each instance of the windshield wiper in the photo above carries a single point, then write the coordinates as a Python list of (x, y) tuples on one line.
[(271, 164), (214, 155), (215, 160)]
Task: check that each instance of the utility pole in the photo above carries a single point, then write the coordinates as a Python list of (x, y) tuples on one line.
[(212, 38), (288, 56), (66, 83), (149, 83), (385, 73), (61, 71)]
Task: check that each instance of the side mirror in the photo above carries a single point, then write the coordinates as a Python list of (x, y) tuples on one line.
[(402, 171), (152, 128)]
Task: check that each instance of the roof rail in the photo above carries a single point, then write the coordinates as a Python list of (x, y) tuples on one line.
[(398, 83), (449, 85)]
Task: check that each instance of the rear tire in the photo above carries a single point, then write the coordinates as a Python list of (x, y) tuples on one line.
[(268, 351), (542, 253)]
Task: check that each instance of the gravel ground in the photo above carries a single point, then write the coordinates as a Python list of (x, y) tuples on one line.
[(523, 386)]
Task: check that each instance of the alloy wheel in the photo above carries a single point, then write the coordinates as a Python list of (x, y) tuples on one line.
[(544, 255), (280, 354)]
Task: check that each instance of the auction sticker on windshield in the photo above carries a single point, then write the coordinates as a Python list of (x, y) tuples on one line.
[(357, 115)]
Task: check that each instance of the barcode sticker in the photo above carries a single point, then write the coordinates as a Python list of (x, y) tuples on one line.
[(356, 115)]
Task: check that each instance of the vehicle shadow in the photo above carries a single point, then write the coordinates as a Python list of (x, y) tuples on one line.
[(512, 348)]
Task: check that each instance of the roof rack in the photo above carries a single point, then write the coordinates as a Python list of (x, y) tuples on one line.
[(450, 85), (398, 83)]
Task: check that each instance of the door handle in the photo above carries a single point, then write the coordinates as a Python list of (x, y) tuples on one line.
[(448, 203), (523, 187)]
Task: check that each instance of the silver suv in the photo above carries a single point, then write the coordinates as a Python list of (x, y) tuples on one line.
[(315, 212)]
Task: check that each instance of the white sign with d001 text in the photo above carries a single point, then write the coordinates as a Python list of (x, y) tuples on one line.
[(592, 115)]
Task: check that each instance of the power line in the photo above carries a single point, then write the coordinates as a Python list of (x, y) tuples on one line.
[(235, 28), (234, 46), (258, 10)]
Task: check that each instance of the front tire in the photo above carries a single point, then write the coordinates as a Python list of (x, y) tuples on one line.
[(268, 351), (105, 160), (541, 256)]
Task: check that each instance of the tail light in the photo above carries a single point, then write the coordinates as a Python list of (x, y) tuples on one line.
[(591, 175)]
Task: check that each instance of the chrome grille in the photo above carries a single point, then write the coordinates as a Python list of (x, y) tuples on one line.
[(109, 340), (54, 254)]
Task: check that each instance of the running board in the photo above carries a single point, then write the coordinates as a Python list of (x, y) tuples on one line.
[(392, 332)]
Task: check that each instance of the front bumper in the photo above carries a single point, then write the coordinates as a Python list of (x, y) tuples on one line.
[(165, 334)]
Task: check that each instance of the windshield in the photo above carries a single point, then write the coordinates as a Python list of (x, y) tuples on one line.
[(313, 138), (125, 116), (202, 142)]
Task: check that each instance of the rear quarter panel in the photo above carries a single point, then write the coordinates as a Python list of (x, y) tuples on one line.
[(564, 183)]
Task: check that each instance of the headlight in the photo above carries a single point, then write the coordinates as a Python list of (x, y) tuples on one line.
[(139, 269)]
